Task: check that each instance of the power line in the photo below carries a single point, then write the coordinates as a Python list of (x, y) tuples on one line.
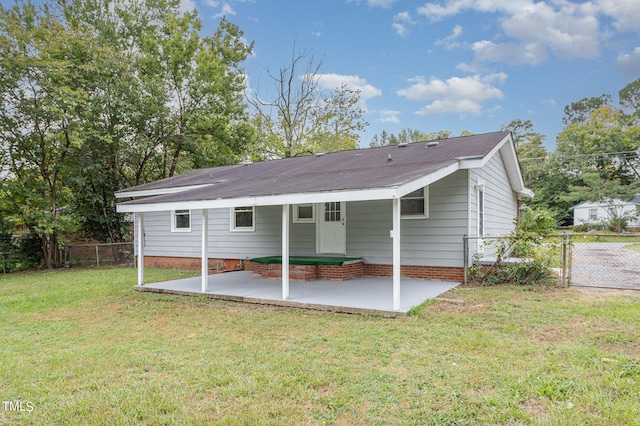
[(624, 155)]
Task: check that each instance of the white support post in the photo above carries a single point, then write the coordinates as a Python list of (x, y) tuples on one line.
[(285, 251), (204, 261), (140, 248), (396, 254)]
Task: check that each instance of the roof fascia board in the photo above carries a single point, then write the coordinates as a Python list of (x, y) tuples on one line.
[(477, 163), (268, 200), (472, 164), (510, 157), (159, 191), (416, 184), (507, 149), (499, 146)]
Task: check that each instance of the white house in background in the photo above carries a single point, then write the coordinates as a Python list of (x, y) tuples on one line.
[(591, 212), (402, 209)]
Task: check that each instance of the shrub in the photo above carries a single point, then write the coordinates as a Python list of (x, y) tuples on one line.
[(518, 273), (19, 254), (531, 255)]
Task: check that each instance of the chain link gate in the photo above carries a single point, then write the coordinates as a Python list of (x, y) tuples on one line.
[(605, 261)]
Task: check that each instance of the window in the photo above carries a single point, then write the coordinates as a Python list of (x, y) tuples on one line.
[(415, 205), (593, 214), (304, 213), (181, 221), (332, 212), (243, 219)]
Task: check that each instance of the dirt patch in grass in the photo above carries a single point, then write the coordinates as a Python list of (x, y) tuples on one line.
[(536, 409)]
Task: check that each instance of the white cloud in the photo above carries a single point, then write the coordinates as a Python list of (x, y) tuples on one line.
[(450, 41), (400, 29), (532, 53), (403, 17), (400, 24), (564, 28), (624, 13), (381, 3), (186, 6), (316, 30), (375, 3), (388, 116), (436, 12), (454, 95), (629, 63), (226, 10), (334, 81), (473, 68)]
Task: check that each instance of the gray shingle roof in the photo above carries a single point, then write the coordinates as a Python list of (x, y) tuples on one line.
[(347, 170)]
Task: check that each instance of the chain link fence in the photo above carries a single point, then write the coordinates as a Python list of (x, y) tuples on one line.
[(519, 260), (606, 261), (99, 255), (579, 260)]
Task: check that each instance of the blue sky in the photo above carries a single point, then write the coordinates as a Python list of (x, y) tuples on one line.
[(447, 64)]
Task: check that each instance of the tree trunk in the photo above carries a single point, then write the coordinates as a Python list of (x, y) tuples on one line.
[(46, 253)]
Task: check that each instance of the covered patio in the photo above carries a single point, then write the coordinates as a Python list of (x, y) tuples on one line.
[(408, 207), (372, 295)]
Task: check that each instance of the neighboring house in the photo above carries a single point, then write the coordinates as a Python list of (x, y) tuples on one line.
[(597, 213), (406, 205)]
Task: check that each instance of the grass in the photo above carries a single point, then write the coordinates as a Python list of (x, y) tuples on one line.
[(83, 348), (605, 238), (633, 247)]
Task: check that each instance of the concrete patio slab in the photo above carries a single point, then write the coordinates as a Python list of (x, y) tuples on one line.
[(372, 295)]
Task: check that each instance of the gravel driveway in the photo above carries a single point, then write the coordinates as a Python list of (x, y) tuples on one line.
[(608, 265)]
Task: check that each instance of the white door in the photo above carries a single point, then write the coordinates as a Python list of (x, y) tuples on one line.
[(331, 229)]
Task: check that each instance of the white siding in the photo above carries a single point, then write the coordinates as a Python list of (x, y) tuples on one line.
[(264, 241), (581, 212), (500, 201), (436, 241)]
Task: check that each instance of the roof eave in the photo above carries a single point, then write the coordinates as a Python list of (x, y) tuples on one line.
[(264, 200), (154, 192)]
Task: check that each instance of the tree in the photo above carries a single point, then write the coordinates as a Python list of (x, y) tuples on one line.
[(410, 136), (530, 149), (599, 157), (630, 99), (47, 71), (301, 118), (579, 112), (182, 106), (97, 95)]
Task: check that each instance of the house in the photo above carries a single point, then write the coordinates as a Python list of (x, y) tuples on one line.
[(597, 213), (403, 210)]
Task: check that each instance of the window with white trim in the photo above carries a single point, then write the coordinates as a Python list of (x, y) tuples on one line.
[(181, 221), (415, 205), (243, 219), (593, 214), (304, 213)]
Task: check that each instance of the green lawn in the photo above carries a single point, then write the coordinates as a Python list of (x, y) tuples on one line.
[(633, 247), (83, 348)]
